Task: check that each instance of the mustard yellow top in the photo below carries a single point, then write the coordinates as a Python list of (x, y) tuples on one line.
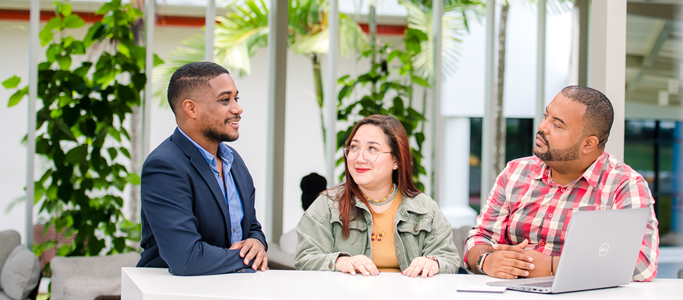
[(382, 238)]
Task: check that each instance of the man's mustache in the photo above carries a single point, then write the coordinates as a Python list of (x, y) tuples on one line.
[(233, 119), (543, 137)]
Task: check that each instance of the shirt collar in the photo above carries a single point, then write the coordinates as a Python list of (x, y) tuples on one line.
[(591, 175), (223, 151)]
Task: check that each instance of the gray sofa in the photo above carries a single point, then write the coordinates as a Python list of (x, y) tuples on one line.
[(19, 268), (76, 278)]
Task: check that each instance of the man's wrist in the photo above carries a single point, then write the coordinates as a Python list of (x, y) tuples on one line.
[(481, 261)]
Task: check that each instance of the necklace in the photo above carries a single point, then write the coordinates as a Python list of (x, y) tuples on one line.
[(387, 199)]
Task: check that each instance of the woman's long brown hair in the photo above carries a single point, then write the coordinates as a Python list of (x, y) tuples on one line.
[(403, 176)]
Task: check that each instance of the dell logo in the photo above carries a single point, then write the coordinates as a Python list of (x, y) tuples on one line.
[(603, 250)]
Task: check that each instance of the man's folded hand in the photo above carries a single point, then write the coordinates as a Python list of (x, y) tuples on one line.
[(252, 248), (508, 261)]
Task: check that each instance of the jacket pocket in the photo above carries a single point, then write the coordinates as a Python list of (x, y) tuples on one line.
[(415, 226), (356, 243), (413, 233)]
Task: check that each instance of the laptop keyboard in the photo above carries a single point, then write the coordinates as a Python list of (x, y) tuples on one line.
[(539, 284)]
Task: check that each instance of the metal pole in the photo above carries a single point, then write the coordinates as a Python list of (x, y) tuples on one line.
[(437, 119), (150, 22), (34, 45), (210, 28), (540, 64), (330, 95), (488, 126), (277, 88)]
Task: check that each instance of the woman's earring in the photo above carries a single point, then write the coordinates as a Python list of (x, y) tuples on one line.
[(395, 167)]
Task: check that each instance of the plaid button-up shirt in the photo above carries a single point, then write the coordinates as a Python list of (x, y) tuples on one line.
[(526, 203)]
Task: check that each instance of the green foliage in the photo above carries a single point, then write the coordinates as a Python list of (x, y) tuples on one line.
[(391, 80), (454, 25), (83, 105)]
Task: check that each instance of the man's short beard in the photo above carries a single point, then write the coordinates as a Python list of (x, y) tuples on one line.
[(569, 154), (213, 135)]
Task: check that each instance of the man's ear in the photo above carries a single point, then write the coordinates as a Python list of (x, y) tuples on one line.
[(190, 108), (590, 144)]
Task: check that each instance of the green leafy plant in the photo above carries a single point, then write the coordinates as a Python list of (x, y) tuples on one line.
[(80, 128), (391, 81)]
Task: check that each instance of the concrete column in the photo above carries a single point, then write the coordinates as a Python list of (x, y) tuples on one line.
[(150, 23), (331, 93), (583, 8), (540, 64), (488, 176), (437, 120), (34, 46), (277, 88), (454, 192), (210, 25), (608, 63)]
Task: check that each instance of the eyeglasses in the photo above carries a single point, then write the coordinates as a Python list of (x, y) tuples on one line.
[(370, 155)]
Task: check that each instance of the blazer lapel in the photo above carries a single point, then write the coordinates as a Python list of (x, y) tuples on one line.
[(205, 171), (239, 171), (244, 198)]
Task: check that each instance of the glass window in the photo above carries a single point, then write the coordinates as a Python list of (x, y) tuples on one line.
[(652, 148), (519, 139)]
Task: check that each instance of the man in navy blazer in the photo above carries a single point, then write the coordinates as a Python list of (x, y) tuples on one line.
[(198, 214)]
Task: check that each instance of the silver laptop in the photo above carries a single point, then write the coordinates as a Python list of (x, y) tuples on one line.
[(600, 250)]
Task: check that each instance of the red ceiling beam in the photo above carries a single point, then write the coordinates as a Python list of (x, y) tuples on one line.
[(386, 29)]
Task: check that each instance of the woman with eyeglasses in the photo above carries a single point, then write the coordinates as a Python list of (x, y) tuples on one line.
[(377, 220)]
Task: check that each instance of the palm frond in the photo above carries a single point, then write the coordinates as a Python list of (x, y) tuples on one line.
[(308, 24), (315, 43), (352, 39), (238, 35), (452, 27), (191, 51)]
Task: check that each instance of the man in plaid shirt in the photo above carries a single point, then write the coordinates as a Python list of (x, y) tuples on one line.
[(523, 224)]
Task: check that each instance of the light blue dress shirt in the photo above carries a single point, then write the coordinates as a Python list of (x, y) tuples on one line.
[(232, 197)]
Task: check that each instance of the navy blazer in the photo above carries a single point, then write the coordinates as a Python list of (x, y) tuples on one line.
[(185, 219)]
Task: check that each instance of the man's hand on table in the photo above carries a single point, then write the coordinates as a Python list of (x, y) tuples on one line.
[(509, 261), (252, 248), (360, 263)]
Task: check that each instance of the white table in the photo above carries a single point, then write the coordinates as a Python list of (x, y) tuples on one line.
[(153, 284)]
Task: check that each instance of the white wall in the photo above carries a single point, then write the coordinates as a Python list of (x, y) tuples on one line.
[(14, 45), (463, 93)]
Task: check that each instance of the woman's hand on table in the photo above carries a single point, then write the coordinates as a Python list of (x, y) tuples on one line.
[(358, 263), (422, 266)]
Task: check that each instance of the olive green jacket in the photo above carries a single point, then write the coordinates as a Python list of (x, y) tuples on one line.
[(419, 229)]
